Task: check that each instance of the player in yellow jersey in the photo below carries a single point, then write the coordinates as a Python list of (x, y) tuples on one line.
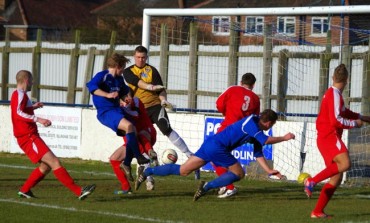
[(146, 83)]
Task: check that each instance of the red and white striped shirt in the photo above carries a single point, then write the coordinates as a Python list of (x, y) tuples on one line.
[(139, 116), (23, 117), (334, 116)]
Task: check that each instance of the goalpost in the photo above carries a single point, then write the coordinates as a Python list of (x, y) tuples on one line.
[(197, 64), (148, 13)]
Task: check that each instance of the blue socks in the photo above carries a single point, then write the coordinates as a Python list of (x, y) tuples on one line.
[(223, 180), (128, 158), (164, 170), (174, 169), (132, 144)]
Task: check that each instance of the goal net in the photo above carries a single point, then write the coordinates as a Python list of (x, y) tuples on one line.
[(292, 56)]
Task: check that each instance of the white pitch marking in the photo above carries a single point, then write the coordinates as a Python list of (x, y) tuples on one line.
[(72, 209), (363, 196), (31, 168)]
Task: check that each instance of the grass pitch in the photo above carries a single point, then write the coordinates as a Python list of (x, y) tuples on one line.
[(171, 201)]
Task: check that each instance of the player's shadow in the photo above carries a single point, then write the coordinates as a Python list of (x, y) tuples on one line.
[(356, 215), (144, 195), (290, 192)]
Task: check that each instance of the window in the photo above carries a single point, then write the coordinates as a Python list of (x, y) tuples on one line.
[(286, 25), (220, 25), (320, 25), (254, 24)]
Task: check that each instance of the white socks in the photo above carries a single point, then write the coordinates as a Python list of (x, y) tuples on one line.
[(179, 143)]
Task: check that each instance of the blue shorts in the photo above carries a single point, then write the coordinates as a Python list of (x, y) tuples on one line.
[(111, 118), (211, 151)]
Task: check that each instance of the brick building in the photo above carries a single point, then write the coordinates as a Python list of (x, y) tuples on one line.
[(56, 18)]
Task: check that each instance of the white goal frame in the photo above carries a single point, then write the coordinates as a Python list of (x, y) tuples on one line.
[(335, 10), (283, 11)]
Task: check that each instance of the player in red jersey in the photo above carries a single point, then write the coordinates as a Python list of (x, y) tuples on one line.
[(236, 103), (29, 140), (332, 119), (146, 134)]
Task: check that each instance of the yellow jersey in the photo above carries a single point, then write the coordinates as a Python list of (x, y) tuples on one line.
[(149, 75)]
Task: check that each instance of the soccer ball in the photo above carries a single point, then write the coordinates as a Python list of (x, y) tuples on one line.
[(169, 156), (302, 177)]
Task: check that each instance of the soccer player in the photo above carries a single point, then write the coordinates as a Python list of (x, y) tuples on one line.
[(332, 119), (25, 131), (135, 112), (147, 134), (217, 149), (236, 103), (115, 160), (147, 85), (105, 87)]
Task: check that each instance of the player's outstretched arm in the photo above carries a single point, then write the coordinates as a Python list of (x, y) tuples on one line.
[(150, 87), (43, 121), (102, 93), (38, 105), (358, 123), (277, 139), (166, 104), (264, 165), (365, 118)]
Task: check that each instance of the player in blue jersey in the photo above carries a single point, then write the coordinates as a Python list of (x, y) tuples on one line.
[(217, 149), (106, 86)]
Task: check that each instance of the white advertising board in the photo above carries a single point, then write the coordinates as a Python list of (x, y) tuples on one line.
[(64, 135)]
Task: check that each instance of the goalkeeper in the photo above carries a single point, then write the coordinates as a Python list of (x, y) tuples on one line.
[(147, 85)]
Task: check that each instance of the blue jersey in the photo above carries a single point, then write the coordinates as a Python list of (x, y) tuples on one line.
[(217, 148), (241, 132), (108, 83)]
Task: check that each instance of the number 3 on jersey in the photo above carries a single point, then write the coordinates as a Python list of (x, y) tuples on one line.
[(245, 105)]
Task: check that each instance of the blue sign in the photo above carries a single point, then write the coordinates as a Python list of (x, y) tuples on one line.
[(244, 154)]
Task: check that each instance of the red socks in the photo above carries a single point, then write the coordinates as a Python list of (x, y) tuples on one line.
[(326, 193), (125, 185), (328, 190), (62, 175), (326, 173), (35, 177)]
